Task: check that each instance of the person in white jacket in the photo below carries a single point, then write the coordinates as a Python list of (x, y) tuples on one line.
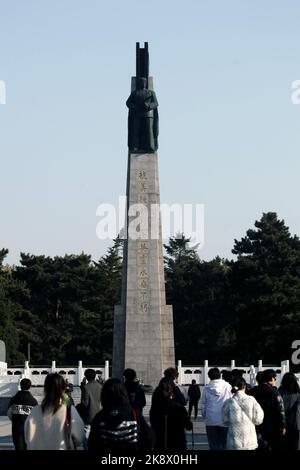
[(52, 425), (213, 398), (241, 414)]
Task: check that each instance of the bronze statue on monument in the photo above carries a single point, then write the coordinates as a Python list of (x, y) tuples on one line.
[(142, 119), (142, 104)]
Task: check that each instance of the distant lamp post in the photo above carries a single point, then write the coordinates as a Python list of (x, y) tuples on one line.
[(58, 305), (28, 353)]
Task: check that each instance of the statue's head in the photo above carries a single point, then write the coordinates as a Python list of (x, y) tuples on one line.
[(141, 83)]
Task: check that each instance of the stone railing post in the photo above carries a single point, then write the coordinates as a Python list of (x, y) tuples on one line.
[(232, 364), (205, 371), (286, 364), (180, 372), (53, 367), (27, 370), (106, 370), (79, 372), (252, 376), (3, 368), (260, 365)]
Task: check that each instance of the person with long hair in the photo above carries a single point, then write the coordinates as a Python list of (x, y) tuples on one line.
[(241, 414), (114, 429), (290, 392), (53, 425)]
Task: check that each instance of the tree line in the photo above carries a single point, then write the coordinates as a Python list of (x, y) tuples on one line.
[(247, 308)]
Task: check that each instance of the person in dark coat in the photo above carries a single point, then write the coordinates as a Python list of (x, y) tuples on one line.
[(114, 429), (19, 408), (137, 401), (290, 392), (273, 427), (169, 420), (135, 392), (194, 396), (90, 400)]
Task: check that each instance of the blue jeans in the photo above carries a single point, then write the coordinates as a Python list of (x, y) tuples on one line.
[(216, 436)]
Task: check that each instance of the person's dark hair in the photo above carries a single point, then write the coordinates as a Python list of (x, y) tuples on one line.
[(259, 377), (25, 384), (214, 373), (226, 375), (193, 382), (289, 383), (237, 373), (114, 394), (171, 373), (268, 375), (238, 383), (90, 374), (129, 375), (54, 388)]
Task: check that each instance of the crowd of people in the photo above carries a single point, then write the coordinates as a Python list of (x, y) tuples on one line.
[(109, 417), (239, 417)]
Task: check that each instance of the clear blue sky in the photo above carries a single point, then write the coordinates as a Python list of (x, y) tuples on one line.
[(229, 134)]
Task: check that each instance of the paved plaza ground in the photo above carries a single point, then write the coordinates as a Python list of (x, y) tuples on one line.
[(200, 440)]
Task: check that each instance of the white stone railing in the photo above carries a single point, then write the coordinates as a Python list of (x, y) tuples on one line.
[(37, 374), (13, 375), (187, 374)]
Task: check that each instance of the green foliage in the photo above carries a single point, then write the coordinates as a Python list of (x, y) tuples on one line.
[(65, 311), (246, 309), (265, 284), (197, 290), (10, 294)]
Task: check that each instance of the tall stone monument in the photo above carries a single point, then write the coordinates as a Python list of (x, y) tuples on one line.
[(143, 323)]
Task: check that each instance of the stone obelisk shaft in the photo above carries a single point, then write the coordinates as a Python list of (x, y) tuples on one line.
[(143, 323)]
